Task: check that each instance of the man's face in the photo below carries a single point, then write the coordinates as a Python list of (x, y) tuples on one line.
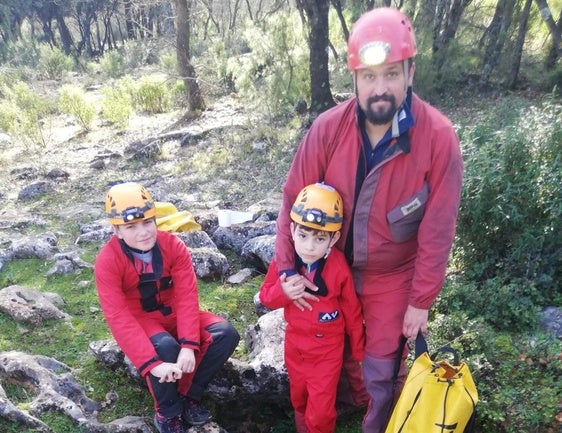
[(381, 90)]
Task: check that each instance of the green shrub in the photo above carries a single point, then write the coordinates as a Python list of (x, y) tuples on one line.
[(53, 63), (151, 96), (555, 80), (116, 106), (504, 305), (21, 110), (111, 64), (177, 94), (520, 384), (274, 73), (510, 220), (137, 53), (21, 52), (169, 62), (73, 102)]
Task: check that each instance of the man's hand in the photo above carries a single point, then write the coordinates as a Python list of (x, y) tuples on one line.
[(294, 288), (167, 372), (186, 360), (415, 320)]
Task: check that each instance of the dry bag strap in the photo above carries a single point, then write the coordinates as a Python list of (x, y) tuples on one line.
[(420, 348), (448, 349)]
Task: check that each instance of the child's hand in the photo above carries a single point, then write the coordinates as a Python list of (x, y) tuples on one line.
[(294, 288), (186, 360), (167, 372)]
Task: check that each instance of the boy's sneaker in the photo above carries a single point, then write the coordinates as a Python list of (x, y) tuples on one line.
[(194, 413), (168, 425)]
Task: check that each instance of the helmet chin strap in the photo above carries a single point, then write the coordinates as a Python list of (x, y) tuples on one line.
[(394, 130)]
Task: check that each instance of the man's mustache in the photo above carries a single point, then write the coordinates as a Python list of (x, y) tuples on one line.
[(385, 97)]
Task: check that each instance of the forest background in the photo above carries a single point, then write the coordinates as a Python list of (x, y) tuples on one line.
[(493, 66)]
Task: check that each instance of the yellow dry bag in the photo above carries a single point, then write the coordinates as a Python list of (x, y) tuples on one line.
[(438, 397), (169, 219)]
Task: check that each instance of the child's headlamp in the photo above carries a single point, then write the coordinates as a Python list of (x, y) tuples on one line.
[(314, 216), (131, 214)]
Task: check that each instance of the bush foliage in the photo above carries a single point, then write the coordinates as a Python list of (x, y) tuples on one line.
[(72, 101), (510, 219), (507, 263), (21, 110), (53, 63)]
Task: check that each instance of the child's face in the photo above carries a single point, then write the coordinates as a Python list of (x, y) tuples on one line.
[(140, 235), (312, 245)]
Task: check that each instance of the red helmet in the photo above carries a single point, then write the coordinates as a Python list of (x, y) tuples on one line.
[(381, 35)]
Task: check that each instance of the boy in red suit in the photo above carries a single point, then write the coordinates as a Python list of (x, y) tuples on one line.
[(314, 339), (148, 293)]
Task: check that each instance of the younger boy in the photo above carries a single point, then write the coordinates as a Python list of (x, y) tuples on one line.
[(314, 339), (148, 293)]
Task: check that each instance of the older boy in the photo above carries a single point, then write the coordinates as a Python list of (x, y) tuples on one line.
[(148, 293)]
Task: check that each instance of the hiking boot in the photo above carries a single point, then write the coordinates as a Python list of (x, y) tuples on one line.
[(168, 425), (194, 413)]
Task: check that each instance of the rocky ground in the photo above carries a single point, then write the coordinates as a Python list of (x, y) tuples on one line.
[(65, 179)]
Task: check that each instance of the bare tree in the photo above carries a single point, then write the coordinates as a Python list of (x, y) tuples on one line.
[(447, 18), (497, 36), (316, 12), (555, 32), (183, 52), (519, 43)]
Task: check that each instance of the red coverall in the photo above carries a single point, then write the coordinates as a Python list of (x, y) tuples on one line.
[(403, 214), (314, 340), (117, 280)]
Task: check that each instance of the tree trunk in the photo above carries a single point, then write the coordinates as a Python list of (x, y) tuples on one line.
[(555, 31), (65, 36), (497, 36), (318, 43), (424, 19), (183, 53), (339, 11), (555, 50), (129, 24), (447, 18), (519, 43)]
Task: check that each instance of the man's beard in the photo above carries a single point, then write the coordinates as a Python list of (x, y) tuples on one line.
[(383, 115)]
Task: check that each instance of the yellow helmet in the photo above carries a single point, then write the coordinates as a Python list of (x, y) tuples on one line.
[(128, 202), (318, 206)]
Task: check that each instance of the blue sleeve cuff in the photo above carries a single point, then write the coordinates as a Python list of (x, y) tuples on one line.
[(287, 272)]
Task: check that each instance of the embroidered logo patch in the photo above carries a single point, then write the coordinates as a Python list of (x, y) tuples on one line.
[(407, 209), (328, 317)]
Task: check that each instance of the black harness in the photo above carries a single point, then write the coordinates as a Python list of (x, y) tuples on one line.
[(151, 283)]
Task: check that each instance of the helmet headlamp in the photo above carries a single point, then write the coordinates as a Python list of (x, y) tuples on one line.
[(374, 53), (314, 216), (132, 214)]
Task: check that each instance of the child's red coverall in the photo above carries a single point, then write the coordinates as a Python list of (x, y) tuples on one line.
[(314, 340)]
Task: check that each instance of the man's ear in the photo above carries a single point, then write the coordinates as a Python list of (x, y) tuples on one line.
[(411, 74), (335, 238)]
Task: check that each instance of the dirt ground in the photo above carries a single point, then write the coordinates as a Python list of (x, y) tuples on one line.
[(78, 166)]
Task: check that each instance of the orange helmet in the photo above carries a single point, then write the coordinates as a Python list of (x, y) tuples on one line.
[(128, 202), (320, 207), (382, 35)]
